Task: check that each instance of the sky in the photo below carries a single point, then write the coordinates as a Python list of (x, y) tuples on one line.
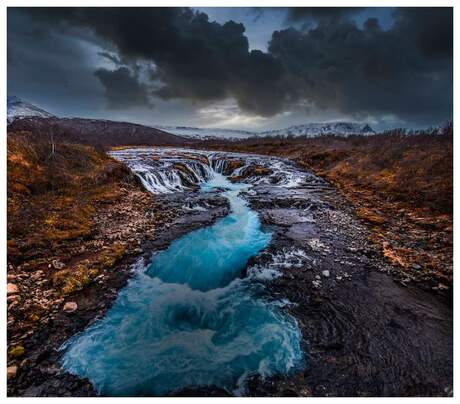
[(237, 68)]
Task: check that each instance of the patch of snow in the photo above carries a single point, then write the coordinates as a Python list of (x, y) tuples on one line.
[(17, 108), (308, 130), (207, 133), (320, 129)]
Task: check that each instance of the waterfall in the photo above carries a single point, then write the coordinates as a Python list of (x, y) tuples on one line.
[(167, 170)]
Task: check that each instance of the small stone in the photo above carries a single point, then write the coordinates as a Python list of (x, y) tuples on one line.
[(316, 284), (326, 273), (11, 371), (12, 298), (70, 307), (58, 264), (11, 277), (11, 289)]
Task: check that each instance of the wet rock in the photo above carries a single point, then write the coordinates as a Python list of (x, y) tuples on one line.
[(285, 217), (316, 245), (11, 289), (70, 307)]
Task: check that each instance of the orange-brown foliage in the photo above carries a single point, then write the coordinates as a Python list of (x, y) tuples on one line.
[(51, 196)]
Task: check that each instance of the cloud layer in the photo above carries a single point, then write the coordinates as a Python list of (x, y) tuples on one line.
[(328, 63)]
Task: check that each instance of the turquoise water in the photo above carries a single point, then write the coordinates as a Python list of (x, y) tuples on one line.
[(189, 319)]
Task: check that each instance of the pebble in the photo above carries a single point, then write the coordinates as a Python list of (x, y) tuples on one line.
[(58, 264), (326, 273), (316, 284), (70, 307), (11, 289), (11, 371), (12, 298)]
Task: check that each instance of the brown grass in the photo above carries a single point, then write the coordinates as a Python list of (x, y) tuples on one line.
[(51, 197)]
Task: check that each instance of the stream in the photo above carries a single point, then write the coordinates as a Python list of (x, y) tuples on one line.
[(189, 318), (280, 294)]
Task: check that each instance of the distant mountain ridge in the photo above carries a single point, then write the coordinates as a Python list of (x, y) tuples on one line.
[(309, 130), (207, 133), (317, 129), (23, 116), (97, 132), (18, 108)]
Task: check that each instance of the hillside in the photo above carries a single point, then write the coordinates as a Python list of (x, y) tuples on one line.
[(96, 132)]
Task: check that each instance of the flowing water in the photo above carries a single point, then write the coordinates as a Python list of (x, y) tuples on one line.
[(189, 318)]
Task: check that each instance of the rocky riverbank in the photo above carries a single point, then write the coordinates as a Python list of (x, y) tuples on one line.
[(77, 223), (147, 225), (363, 334), (400, 186)]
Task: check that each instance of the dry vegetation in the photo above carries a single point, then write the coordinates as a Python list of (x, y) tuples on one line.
[(52, 195), (400, 183)]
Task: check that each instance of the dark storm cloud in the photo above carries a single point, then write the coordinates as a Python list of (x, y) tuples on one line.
[(122, 88), (195, 58), (430, 30), (295, 14), (405, 70), (49, 69)]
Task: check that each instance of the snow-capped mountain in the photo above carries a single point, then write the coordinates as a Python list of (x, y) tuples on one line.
[(207, 133), (309, 130), (17, 108), (318, 129)]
